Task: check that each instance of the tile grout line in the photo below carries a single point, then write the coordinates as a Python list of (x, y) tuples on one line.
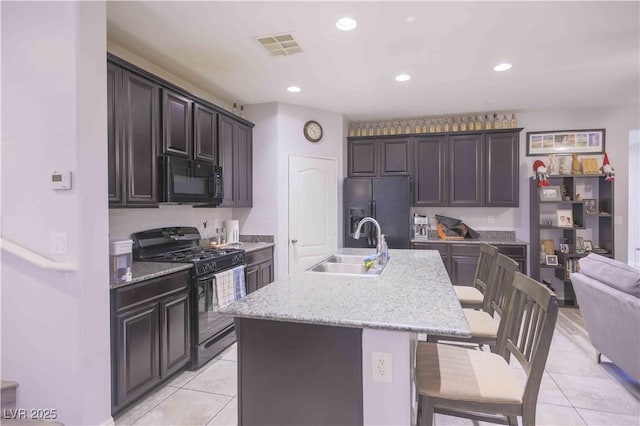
[(220, 411)]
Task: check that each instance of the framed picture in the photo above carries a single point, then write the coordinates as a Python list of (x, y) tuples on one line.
[(564, 218), (590, 206), (564, 248), (579, 245), (589, 141), (550, 193), (588, 245), (548, 246), (551, 259)]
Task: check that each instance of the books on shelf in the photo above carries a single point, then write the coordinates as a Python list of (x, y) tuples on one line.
[(571, 265)]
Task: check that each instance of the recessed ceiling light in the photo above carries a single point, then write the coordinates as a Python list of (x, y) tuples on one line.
[(346, 24), (294, 89), (502, 67), (403, 77)]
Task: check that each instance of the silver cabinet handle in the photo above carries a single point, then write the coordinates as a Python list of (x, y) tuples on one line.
[(294, 240)]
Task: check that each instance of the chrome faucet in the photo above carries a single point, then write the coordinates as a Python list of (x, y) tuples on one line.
[(356, 235)]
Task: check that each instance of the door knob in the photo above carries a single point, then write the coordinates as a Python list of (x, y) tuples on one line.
[(294, 240)]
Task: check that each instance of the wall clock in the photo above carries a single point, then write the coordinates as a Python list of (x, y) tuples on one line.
[(312, 131)]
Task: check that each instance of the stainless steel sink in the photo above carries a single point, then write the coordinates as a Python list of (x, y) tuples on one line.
[(346, 258), (342, 264)]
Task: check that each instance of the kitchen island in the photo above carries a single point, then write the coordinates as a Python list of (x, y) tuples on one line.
[(307, 343)]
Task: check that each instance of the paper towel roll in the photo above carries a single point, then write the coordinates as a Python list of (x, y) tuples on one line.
[(232, 229)]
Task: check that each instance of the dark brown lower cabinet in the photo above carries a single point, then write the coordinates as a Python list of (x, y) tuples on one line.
[(259, 269), (150, 335), (461, 259)]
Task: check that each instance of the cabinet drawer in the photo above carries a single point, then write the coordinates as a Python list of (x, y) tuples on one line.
[(442, 248), (465, 249), (512, 251), (147, 290), (259, 256)]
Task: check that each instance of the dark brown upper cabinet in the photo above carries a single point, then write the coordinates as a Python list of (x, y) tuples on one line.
[(133, 117), (205, 137), (236, 157), (114, 132), (176, 124), (466, 171), (430, 183), (501, 184), (379, 157)]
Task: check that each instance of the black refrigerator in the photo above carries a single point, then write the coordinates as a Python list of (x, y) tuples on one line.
[(386, 199)]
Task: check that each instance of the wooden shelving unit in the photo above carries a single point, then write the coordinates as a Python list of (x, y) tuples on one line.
[(597, 228)]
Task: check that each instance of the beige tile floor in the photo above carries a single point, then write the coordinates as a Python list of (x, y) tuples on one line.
[(574, 391)]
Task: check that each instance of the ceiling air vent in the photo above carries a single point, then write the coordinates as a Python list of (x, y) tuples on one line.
[(280, 44)]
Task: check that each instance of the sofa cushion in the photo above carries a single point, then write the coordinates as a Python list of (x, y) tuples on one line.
[(612, 273)]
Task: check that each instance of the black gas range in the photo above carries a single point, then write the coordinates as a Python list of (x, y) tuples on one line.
[(211, 332)]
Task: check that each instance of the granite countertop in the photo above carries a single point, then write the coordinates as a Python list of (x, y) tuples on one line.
[(413, 293), (253, 246), (142, 271), (489, 237)]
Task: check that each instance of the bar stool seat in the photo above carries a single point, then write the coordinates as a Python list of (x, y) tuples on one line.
[(469, 297)]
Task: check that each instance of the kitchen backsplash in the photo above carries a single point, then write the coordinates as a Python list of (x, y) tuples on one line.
[(124, 222), (487, 218)]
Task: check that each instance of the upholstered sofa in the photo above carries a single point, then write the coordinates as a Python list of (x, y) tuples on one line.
[(608, 293)]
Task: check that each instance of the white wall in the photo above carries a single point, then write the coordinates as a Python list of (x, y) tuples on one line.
[(55, 326), (634, 199), (277, 136)]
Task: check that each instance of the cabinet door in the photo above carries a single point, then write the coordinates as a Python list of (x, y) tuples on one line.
[(430, 171), (252, 278), (176, 333), (176, 124), (362, 158), (394, 157), (502, 178), (464, 261), (205, 128), (226, 146), (114, 132), (243, 166), (141, 129), (466, 177), (266, 273), (137, 350)]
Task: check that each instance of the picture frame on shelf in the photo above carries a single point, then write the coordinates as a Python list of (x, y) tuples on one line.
[(548, 246), (579, 245), (590, 166), (551, 260), (589, 141), (588, 246), (550, 193), (564, 218), (590, 206), (564, 248)]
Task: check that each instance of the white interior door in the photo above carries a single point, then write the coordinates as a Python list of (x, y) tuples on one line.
[(313, 215)]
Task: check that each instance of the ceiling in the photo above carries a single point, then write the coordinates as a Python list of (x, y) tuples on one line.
[(565, 55)]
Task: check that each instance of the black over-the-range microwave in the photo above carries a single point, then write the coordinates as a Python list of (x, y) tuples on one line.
[(190, 182)]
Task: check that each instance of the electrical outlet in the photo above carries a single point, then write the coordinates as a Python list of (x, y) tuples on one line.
[(618, 220), (490, 219), (59, 243), (382, 367)]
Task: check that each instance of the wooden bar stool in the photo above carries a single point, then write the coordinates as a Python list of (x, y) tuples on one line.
[(473, 296), (484, 328), (482, 385)]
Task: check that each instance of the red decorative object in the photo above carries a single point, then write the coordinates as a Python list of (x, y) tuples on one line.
[(541, 173), (607, 169)]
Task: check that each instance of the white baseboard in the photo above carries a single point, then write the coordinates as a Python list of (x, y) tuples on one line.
[(108, 422)]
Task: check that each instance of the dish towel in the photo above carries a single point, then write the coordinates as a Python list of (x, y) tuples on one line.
[(239, 289), (225, 292)]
